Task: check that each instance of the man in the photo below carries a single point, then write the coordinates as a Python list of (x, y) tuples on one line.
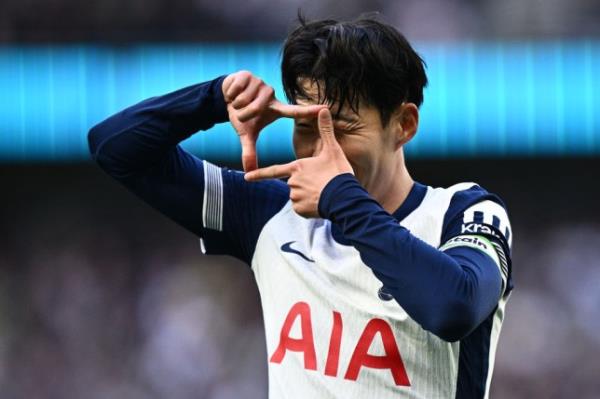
[(372, 285)]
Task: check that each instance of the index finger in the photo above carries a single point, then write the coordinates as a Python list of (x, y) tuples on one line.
[(270, 172), (296, 111)]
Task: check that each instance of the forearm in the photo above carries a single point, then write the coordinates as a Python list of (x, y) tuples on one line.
[(142, 135), (138, 147), (448, 293)]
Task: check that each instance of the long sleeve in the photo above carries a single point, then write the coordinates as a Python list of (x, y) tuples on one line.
[(139, 147), (137, 138), (449, 293)]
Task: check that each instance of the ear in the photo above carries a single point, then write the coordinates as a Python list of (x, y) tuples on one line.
[(404, 123)]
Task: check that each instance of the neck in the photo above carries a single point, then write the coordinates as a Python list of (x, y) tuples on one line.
[(392, 185)]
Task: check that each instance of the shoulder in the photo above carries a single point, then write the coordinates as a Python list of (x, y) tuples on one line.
[(464, 208), (234, 211), (477, 218), (474, 210)]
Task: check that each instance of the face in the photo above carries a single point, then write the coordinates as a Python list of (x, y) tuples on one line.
[(370, 147)]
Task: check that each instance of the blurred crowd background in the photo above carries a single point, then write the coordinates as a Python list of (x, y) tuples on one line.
[(102, 297), (190, 20)]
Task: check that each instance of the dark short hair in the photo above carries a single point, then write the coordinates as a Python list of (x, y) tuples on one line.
[(361, 60)]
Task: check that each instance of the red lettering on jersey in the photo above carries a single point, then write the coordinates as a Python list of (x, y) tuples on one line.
[(391, 360), (360, 357), (305, 344), (333, 356)]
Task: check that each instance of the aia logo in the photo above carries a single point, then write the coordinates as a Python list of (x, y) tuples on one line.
[(391, 360)]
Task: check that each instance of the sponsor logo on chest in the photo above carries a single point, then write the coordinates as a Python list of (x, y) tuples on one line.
[(374, 329)]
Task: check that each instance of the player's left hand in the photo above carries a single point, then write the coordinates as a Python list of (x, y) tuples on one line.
[(309, 176)]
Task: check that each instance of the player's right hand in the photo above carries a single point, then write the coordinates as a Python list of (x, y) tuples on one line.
[(252, 105)]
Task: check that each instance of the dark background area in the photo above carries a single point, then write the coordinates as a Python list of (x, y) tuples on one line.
[(117, 21)]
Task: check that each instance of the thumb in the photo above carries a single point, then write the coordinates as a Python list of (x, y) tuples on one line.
[(326, 130), (249, 159)]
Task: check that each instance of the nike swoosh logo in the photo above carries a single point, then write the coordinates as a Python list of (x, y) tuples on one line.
[(287, 247)]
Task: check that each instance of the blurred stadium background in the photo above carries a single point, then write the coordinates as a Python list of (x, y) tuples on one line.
[(102, 297)]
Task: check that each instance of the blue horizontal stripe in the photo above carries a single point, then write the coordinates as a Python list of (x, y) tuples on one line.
[(484, 98)]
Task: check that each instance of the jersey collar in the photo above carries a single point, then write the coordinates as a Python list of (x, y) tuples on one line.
[(412, 201)]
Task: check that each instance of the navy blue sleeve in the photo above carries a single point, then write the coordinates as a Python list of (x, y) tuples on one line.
[(139, 147), (477, 214), (449, 293), (233, 221)]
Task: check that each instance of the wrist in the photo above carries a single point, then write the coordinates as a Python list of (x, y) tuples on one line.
[(219, 104)]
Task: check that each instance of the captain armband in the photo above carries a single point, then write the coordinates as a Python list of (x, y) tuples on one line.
[(481, 243)]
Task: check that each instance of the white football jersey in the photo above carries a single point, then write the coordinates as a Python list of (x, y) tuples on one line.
[(331, 333)]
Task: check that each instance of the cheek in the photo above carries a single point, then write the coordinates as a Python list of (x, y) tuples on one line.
[(363, 155), (303, 146), (358, 154), (357, 148)]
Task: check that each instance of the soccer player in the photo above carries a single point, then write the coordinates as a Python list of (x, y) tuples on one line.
[(372, 285)]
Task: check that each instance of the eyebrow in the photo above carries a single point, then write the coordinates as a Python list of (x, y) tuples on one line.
[(344, 118), (341, 117)]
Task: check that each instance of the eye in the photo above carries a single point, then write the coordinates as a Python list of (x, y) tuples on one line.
[(304, 128), (342, 128)]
